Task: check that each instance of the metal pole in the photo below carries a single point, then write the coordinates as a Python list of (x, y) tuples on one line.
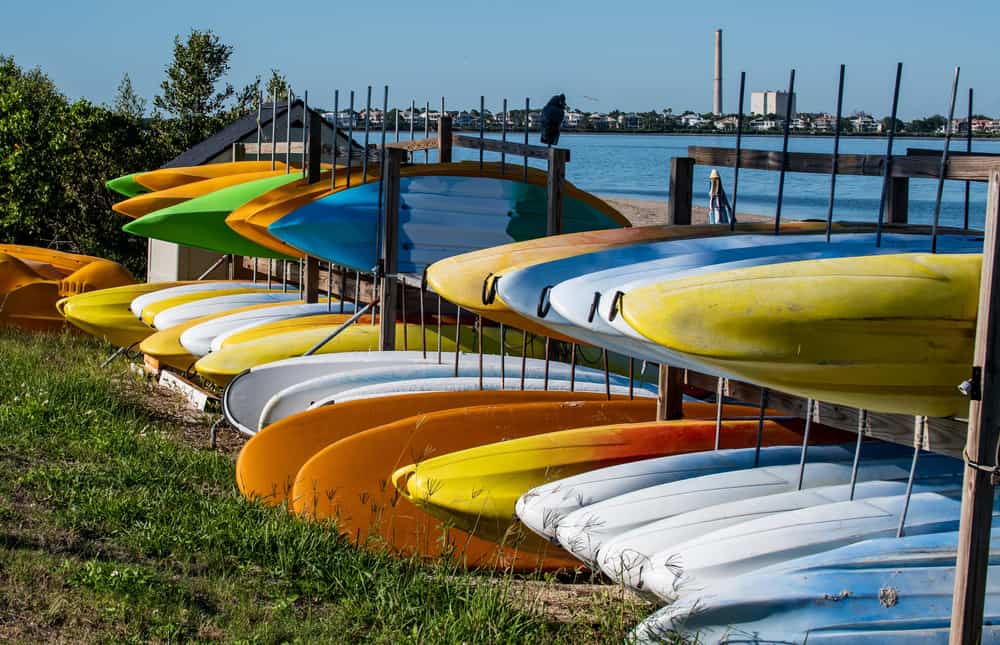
[(439, 330), (458, 336), (333, 160), (968, 148), (396, 112), (427, 129), (260, 108), (836, 153), (862, 418), (719, 396), (527, 110), (368, 113), (503, 357), (413, 116), (739, 146), (347, 323), (524, 356), (274, 124), (805, 441), (479, 342), (887, 161), (270, 271), (482, 128), (784, 152), (350, 141), (329, 287), (607, 374), (944, 160), (288, 131), (503, 137), (764, 392), (919, 425), (572, 367), (305, 129), (631, 378), (547, 345), (381, 180)]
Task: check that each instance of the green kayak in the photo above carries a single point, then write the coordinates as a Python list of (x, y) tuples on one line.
[(126, 185), (201, 222)]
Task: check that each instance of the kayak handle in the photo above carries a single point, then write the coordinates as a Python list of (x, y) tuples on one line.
[(593, 306), (543, 302), (490, 294), (615, 305)]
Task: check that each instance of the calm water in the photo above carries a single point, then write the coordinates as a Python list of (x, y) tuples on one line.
[(638, 166)]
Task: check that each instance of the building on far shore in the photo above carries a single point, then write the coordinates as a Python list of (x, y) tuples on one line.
[(771, 102)]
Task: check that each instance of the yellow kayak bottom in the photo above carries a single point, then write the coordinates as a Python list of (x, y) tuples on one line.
[(106, 313)]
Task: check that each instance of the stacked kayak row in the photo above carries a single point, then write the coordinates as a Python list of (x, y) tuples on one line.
[(33, 279), (491, 455)]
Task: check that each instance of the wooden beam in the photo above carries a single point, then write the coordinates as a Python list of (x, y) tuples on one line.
[(444, 139), (556, 181), (972, 168), (310, 281), (981, 442), (430, 143), (931, 152), (510, 147), (898, 202), (390, 249), (681, 189), (670, 394)]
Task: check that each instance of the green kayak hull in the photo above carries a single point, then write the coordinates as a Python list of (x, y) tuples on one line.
[(126, 185)]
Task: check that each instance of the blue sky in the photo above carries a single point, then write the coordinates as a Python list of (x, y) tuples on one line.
[(636, 55)]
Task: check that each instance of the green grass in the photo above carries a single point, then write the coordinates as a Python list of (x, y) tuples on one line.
[(115, 525)]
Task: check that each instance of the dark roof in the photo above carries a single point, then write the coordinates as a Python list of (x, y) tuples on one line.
[(238, 130)]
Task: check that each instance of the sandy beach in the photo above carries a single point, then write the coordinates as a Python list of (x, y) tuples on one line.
[(646, 212)]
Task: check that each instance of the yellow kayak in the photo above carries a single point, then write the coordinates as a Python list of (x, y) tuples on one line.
[(286, 339), (147, 203), (167, 178), (106, 314), (150, 311), (476, 489), (63, 262), (892, 333)]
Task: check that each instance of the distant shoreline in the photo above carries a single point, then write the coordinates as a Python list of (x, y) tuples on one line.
[(727, 133), (649, 212)]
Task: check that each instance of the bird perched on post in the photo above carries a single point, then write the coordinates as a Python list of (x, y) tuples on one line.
[(552, 118)]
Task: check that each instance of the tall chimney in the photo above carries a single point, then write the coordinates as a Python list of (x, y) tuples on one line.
[(717, 95)]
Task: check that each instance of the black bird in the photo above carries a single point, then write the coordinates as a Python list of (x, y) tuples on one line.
[(552, 118)]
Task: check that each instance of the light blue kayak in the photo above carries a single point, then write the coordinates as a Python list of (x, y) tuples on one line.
[(440, 216), (884, 591), (636, 516), (691, 566), (543, 508)]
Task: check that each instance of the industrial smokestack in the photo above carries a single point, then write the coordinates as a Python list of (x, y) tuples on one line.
[(717, 94)]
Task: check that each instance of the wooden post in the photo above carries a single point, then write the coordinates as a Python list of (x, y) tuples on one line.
[(310, 285), (315, 145), (981, 442), (670, 398), (556, 179), (681, 190), (444, 139), (897, 205), (390, 249)]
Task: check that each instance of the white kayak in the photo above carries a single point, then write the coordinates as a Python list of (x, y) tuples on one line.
[(246, 394), (209, 335), (586, 532), (748, 546), (469, 383), (208, 306), (544, 507), (627, 556), (326, 389), (886, 591), (143, 301)]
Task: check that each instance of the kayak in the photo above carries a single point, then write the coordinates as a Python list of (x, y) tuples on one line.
[(208, 335), (891, 333), (277, 341), (368, 510), (327, 389), (106, 313), (166, 178), (212, 302), (888, 590), (158, 306), (147, 203), (477, 489), (440, 215), (468, 383), (269, 462), (201, 222), (165, 290)]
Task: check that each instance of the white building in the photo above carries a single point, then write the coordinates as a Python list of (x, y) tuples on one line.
[(572, 118), (770, 102), (866, 123), (691, 120), (630, 121)]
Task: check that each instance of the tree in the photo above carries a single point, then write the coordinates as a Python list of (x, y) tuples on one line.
[(277, 85), (887, 123), (191, 94), (127, 102)]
